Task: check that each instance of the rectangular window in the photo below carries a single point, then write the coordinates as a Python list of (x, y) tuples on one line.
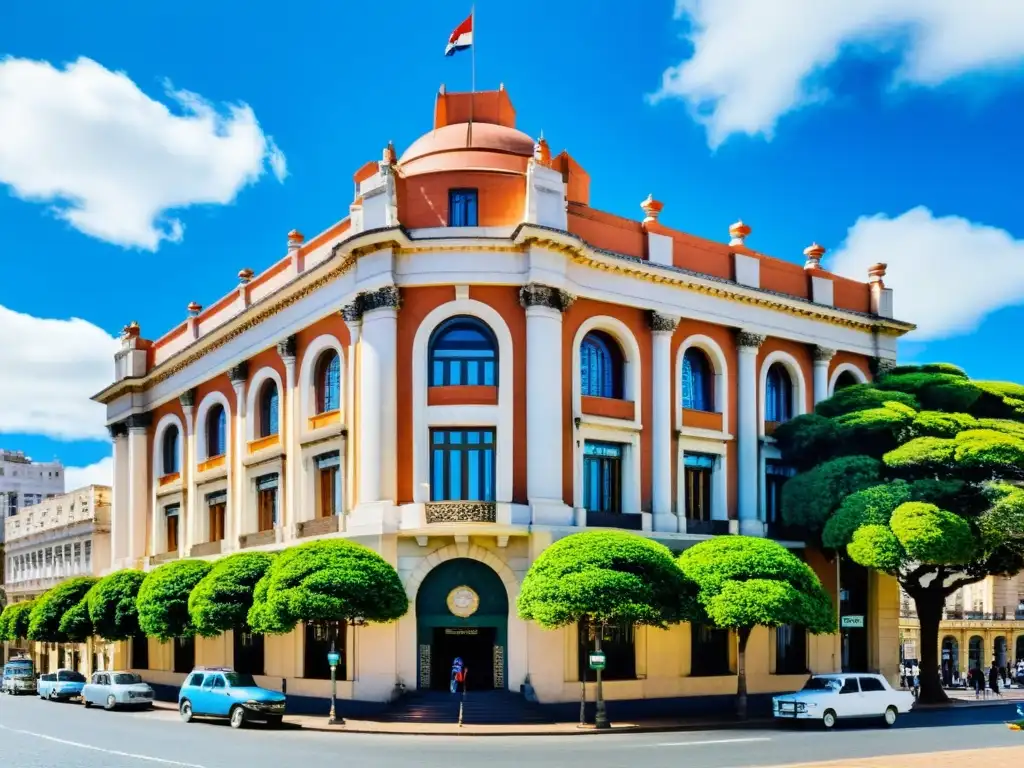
[(140, 652), (248, 652), (462, 208), (462, 465), (602, 477), (709, 651), (320, 636), (618, 645), (775, 476), (184, 654), (171, 520), (266, 502), (328, 480), (790, 650), (88, 555), (78, 556), (12, 504), (216, 505), (698, 469), (49, 557)]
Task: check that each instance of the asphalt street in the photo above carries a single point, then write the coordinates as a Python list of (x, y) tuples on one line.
[(41, 734)]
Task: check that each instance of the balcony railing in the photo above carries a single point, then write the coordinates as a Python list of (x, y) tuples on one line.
[(165, 557), (461, 512), (258, 539), (319, 526), (707, 527), (614, 520), (206, 549)]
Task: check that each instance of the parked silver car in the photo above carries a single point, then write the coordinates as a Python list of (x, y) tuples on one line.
[(111, 690)]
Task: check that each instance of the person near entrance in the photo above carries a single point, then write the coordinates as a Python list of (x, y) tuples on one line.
[(458, 674)]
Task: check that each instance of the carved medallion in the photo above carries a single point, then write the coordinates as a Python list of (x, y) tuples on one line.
[(463, 602)]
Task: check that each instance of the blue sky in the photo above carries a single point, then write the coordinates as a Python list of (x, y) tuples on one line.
[(886, 132)]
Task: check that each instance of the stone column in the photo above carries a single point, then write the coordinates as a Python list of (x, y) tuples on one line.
[(119, 501), (138, 484), (822, 357), (354, 320), (188, 473), (748, 344), (662, 328), (544, 420), (292, 456), (235, 517)]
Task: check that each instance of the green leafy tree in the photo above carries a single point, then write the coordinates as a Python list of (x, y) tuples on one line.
[(330, 580), (917, 475), (745, 582), (112, 607), (601, 578), (221, 601), (75, 624), (50, 607), (14, 621), (162, 602)]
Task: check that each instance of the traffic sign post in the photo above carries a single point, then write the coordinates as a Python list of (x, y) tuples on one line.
[(333, 657), (598, 660)]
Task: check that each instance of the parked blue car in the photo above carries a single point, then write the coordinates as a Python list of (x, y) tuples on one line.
[(62, 685), (222, 692)]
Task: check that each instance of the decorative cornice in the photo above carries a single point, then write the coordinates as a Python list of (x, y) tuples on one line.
[(239, 373), (117, 429), (881, 366), (287, 347), (823, 354), (188, 398), (539, 295), (352, 313), (388, 297), (659, 323), (139, 421), (749, 339)]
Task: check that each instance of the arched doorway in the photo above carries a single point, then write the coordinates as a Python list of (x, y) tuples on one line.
[(462, 610), (999, 652), (950, 659), (975, 648)]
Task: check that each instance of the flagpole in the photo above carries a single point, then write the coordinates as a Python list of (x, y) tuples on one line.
[(472, 71)]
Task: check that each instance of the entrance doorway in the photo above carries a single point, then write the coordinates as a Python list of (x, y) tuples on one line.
[(474, 645)]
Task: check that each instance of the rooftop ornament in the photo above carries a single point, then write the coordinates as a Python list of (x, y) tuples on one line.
[(651, 208), (876, 272), (194, 308), (131, 331), (245, 275), (738, 232), (295, 239), (813, 252)]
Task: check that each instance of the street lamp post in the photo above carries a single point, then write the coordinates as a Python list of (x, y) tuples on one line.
[(332, 658), (600, 714)]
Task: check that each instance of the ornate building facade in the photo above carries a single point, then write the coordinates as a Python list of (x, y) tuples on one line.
[(471, 364)]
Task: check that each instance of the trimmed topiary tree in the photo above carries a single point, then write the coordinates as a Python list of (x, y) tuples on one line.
[(162, 602), (605, 577), (50, 607), (918, 476), (330, 580), (14, 621), (112, 607), (75, 624), (745, 582), (221, 601)]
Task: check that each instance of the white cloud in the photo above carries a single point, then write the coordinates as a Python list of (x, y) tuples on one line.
[(100, 473), (946, 273), (50, 369), (113, 162), (753, 60)]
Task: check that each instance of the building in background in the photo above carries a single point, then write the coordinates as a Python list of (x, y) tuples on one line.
[(64, 536), (24, 482), (470, 365)]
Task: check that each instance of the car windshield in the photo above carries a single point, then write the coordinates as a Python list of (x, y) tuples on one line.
[(239, 680), (823, 684), (20, 672), (126, 678), (71, 677)]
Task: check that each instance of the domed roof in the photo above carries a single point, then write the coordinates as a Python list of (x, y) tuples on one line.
[(493, 147)]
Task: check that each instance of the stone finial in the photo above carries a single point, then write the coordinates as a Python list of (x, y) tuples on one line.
[(651, 208), (245, 275), (541, 151), (295, 239), (738, 232), (194, 308), (131, 331), (875, 274), (813, 252), (390, 157)]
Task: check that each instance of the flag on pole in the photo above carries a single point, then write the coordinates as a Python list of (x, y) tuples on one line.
[(461, 38)]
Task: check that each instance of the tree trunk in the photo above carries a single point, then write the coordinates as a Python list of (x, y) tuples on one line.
[(929, 612), (741, 674)]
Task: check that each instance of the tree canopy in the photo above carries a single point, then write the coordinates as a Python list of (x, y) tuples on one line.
[(221, 601), (605, 576), (333, 579), (75, 624), (14, 621), (44, 623), (112, 605), (162, 602)]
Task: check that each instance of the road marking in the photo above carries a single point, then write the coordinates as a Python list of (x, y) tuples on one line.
[(709, 741), (80, 745)]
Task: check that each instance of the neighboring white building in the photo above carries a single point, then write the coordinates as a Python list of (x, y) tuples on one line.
[(24, 482)]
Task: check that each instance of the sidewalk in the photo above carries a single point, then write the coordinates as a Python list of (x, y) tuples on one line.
[(994, 757)]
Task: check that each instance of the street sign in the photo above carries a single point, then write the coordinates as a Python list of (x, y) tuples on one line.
[(852, 622), (597, 660), (333, 659)]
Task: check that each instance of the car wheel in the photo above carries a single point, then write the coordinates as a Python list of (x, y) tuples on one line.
[(185, 710), (111, 703), (273, 721), (86, 703), (237, 717), (829, 719), (890, 716)]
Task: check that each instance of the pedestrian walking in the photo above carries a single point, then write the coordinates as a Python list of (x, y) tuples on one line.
[(458, 674), (977, 680), (993, 679)]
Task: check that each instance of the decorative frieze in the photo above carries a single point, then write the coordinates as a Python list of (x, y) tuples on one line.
[(749, 339), (461, 512), (139, 421), (425, 667), (539, 295), (881, 366), (286, 347), (499, 666), (239, 373), (823, 354), (188, 398), (660, 323)]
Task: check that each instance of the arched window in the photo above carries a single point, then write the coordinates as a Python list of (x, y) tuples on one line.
[(268, 409), (778, 394), (698, 381), (216, 431), (600, 366), (169, 448), (845, 379), (463, 351), (327, 380)]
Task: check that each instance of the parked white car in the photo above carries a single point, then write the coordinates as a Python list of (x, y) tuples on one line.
[(829, 698)]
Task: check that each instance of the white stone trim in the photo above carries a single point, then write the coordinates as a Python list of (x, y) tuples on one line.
[(253, 391), (796, 376), (211, 399), (720, 369), (168, 420), (500, 416), (840, 370), (631, 386), (307, 385)]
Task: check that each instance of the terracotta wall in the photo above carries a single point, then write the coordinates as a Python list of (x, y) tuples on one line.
[(332, 325), (423, 200), (861, 361)]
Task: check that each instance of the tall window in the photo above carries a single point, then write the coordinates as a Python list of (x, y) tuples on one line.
[(328, 382), (601, 366), (790, 650), (216, 431), (266, 501), (462, 465), (618, 644), (169, 448), (698, 469), (775, 476), (328, 481), (268, 409), (602, 477), (216, 504), (778, 394), (462, 204), (248, 652), (171, 522), (140, 652), (709, 651), (184, 654), (698, 381), (463, 350), (319, 637)]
